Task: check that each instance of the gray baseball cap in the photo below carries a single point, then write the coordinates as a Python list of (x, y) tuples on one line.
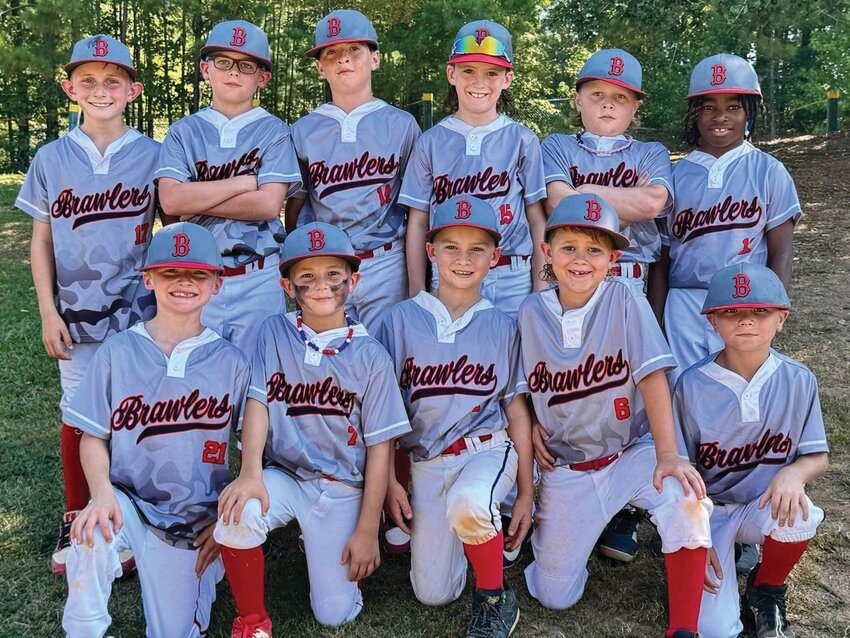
[(239, 36), (101, 48), (184, 245), (615, 66), (341, 26), (723, 73), (466, 211), (745, 286), (588, 211), (316, 239), (483, 41)]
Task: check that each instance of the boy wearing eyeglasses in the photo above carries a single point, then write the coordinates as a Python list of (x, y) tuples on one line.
[(228, 167)]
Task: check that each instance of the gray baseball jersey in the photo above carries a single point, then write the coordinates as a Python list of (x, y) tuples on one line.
[(583, 367), (456, 377), (499, 162), (723, 210), (101, 211), (352, 165), (168, 422), (324, 410), (565, 160), (741, 434), (208, 146)]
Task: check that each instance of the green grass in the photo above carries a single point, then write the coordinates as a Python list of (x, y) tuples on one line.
[(620, 601), (10, 183)]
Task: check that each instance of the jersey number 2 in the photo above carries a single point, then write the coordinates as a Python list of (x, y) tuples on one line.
[(621, 408), (214, 452), (352, 440)]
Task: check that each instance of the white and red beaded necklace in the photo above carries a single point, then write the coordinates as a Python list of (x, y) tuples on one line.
[(299, 323), (590, 149)]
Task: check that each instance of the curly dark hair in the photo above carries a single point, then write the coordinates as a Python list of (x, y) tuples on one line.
[(752, 105)]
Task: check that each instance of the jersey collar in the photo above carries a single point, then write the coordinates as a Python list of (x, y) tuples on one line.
[(747, 393), (176, 363), (228, 128), (716, 166), (100, 163), (447, 328), (322, 339), (571, 321), (348, 121), (474, 135), (602, 143)]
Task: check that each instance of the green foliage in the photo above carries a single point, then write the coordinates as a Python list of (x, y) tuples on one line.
[(798, 49)]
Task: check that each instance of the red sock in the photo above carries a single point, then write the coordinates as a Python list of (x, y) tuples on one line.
[(685, 577), (246, 573), (486, 560), (76, 487), (777, 561)]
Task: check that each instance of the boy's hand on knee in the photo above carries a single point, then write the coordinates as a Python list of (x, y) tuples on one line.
[(539, 436), (671, 464), (520, 521), (100, 510), (362, 554), (786, 493), (712, 562), (397, 504), (209, 549), (232, 499), (56, 337)]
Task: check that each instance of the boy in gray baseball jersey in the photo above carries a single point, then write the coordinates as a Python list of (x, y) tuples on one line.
[(457, 362), (595, 362), (157, 407), (353, 152), (750, 419), (92, 199), (228, 167), (322, 416)]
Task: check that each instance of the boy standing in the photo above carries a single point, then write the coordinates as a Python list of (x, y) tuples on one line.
[(157, 406), (92, 200), (322, 414), (228, 167), (750, 419), (353, 153)]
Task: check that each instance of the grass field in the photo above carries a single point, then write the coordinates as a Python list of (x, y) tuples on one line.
[(619, 601)]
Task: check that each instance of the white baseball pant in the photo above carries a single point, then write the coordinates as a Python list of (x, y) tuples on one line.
[(689, 333), (743, 523), (243, 302), (72, 372), (176, 602), (574, 507), (383, 284), (455, 500), (327, 511)]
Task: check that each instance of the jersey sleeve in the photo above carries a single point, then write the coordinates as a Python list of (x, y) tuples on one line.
[(91, 407), (240, 396), (555, 164), (173, 159), (257, 385), (517, 383), (383, 416), (530, 173), (813, 436), (418, 184), (687, 440), (783, 204), (408, 145), (657, 164), (279, 163), (33, 198), (647, 349)]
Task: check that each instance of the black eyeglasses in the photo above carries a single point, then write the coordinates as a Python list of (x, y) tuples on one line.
[(248, 67)]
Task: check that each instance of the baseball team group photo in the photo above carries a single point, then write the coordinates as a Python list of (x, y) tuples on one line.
[(435, 319)]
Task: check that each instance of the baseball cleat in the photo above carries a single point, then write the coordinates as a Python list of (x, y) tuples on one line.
[(251, 627), (748, 559), (510, 557), (684, 633), (767, 603), (63, 544), (619, 540), (396, 541), (128, 562), (493, 616)]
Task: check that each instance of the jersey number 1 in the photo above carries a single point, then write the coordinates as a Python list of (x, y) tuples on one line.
[(384, 194), (214, 452)]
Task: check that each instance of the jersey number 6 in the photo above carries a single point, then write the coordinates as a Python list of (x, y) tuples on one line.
[(621, 408)]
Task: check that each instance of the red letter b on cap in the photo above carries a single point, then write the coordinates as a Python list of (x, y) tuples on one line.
[(594, 211), (317, 239)]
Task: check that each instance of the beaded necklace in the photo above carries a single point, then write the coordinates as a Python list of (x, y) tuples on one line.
[(618, 149), (299, 323)]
